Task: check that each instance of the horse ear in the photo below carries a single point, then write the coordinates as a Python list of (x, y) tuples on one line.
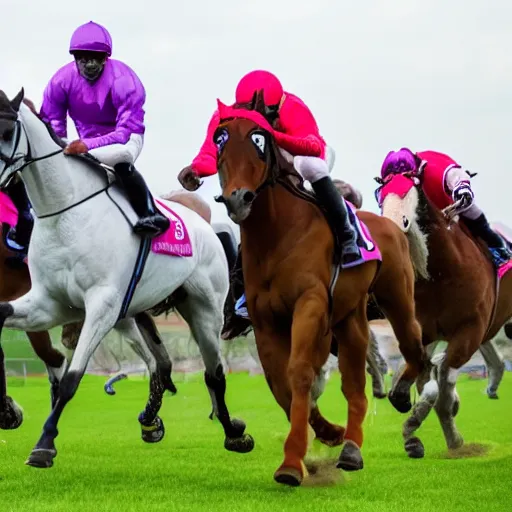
[(254, 100), (16, 101), (221, 107), (259, 103)]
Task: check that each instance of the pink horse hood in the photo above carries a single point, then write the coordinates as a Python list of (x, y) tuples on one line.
[(295, 120), (8, 212)]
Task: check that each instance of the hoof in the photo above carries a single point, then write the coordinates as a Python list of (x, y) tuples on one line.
[(109, 389), (153, 433), (414, 448), (237, 428), (288, 476), (12, 416), (400, 401), (242, 444), (380, 394), (455, 443), (41, 458), (493, 395), (350, 457)]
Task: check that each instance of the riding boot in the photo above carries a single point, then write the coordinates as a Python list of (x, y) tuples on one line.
[(151, 222), (498, 248), (336, 207), (235, 324), (25, 224)]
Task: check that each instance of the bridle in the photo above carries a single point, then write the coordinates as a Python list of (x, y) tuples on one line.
[(25, 159)]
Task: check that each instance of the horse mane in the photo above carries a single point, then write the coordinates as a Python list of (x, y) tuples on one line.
[(284, 173), (30, 104), (418, 236)]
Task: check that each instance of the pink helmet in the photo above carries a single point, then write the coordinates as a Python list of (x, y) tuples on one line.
[(256, 80), (91, 37)]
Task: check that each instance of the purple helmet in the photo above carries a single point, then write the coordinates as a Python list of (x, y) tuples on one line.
[(398, 162), (91, 37)]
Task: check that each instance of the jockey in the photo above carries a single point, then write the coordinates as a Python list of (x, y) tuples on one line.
[(444, 182), (105, 99), (297, 133)]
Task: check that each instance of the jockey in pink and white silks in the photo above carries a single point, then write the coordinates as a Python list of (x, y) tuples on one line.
[(296, 132), (444, 182), (105, 99)]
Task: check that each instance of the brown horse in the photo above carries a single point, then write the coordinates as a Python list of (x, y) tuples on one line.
[(457, 296), (288, 250)]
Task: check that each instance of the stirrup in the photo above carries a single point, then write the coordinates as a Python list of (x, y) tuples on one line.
[(500, 255), (241, 307)]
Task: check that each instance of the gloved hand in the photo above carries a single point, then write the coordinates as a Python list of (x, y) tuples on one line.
[(77, 147), (189, 179), (463, 193)]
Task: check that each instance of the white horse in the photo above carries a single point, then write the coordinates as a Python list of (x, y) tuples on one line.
[(81, 258)]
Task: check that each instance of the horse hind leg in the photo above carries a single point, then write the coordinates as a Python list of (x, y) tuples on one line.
[(204, 317), (495, 367), (376, 367), (145, 340)]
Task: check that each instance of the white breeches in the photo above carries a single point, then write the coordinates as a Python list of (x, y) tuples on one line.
[(312, 168), (452, 179), (117, 153)]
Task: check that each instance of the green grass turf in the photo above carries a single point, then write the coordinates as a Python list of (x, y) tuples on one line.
[(103, 464)]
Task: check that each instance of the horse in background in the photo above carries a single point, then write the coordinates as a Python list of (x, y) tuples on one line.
[(376, 364), (460, 297)]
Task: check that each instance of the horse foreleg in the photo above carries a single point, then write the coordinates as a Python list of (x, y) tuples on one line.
[(101, 316), (352, 335), (29, 313), (408, 334), (309, 351), (429, 391)]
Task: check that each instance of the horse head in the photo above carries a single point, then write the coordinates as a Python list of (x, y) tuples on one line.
[(248, 159), (13, 140), (401, 199)]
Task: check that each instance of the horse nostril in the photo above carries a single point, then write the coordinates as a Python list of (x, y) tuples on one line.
[(405, 221), (248, 197)]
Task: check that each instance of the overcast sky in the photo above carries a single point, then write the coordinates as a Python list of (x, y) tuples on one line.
[(377, 75)]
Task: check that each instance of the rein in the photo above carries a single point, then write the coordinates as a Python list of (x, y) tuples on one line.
[(28, 160), (277, 175)]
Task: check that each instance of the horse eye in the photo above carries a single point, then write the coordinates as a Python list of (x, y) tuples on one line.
[(259, 141), (221, 139)]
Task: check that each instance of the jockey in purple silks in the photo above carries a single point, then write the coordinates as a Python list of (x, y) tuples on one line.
[(105, 99)]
